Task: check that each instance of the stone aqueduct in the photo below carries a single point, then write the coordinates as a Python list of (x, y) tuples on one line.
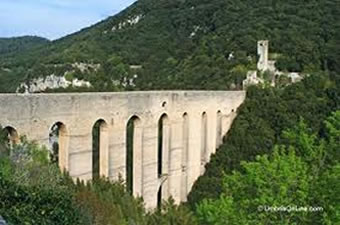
[(193, 125)]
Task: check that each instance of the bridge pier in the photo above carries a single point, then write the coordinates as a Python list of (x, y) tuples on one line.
[(117, 150), (79, 162), (175, 159), (151, 182), (194, 159)]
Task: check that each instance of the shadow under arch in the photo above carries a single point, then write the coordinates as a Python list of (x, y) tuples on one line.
[(58, 140), (100, 149), (219, 132), (133, 155), (12, 134), (11, 139), (163, 153)]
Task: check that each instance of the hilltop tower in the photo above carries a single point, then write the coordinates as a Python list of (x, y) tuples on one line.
[(262, 51)]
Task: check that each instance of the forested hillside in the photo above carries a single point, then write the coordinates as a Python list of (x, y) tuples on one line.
[(186, 44), (18, 44)]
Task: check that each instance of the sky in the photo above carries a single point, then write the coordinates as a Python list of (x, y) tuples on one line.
[(53, 19)]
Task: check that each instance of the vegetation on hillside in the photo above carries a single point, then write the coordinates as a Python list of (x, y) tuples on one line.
[(296, 184), (188, 44), (19, 44)]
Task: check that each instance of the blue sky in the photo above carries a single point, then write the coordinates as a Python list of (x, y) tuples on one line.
[(54, 18)]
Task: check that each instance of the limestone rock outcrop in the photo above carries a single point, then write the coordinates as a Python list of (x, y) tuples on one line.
[(50, 82)]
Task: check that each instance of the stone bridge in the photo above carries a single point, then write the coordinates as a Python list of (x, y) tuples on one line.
[(174, 134)]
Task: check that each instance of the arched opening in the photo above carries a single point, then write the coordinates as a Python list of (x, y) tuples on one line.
[(204, 141), (160, 148), (159, 198), (12, 138), (185, 157), (133, 153), (58, 139), (100, 149), (163, 153), (163, 143), (219, 135)]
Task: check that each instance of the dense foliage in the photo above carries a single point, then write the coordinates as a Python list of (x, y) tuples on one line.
[(187, 44), (34, 191), (18, 44), (297, 184)]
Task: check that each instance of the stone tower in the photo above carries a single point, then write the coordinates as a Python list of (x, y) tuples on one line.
[(262, 51)]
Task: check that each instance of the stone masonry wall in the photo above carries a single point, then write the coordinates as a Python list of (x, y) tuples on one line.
[(34, 115)]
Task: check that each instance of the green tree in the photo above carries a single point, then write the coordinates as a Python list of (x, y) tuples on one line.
[(279, 180), (327, 195), (169, 213), (32, 191), (304, 172), (333, 136), (3, 142), (108, 203)]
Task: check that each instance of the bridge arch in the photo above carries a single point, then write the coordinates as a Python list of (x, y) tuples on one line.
[(219, 132), (58, 139), (100, 148), (134, 155), (163, 156), (12, 136)]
